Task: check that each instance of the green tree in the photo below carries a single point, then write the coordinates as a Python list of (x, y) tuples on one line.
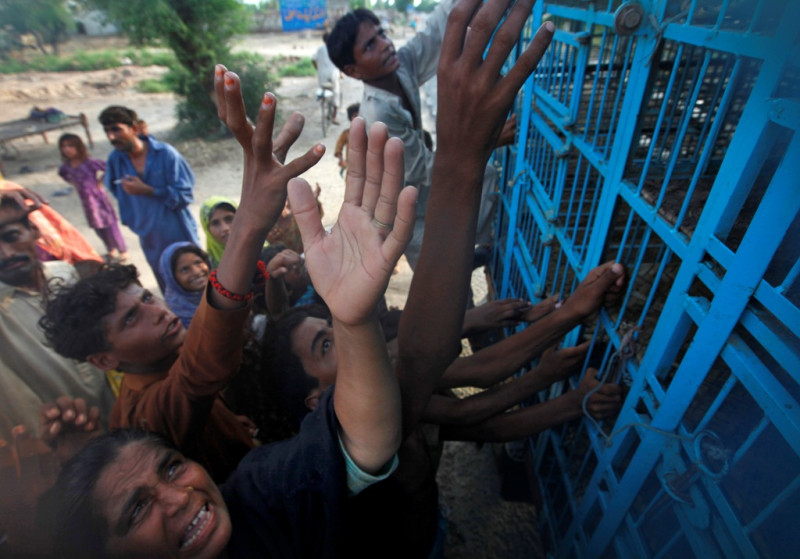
[(199, 32), (46, 20)]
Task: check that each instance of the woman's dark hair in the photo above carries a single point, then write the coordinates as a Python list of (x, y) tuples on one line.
[(73, 321), (76, 141), (288, 376), (188, 249), (342, 39), (67, 513)]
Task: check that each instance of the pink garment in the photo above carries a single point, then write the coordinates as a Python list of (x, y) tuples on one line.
[(96, 204), (59, 238)]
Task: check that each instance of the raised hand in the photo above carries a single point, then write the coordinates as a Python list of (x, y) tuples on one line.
[(476, 91), (282, 262), (263, 184), (350, 267), (67, 424), (265, 177), (26, 199)]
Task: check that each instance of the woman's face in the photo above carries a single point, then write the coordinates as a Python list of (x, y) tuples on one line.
[(159, 504), (191, 272), (219, 224)]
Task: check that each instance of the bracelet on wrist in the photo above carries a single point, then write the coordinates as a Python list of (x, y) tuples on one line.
[(219, 288)]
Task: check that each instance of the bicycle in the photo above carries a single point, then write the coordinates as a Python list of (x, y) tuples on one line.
[(324, 95)]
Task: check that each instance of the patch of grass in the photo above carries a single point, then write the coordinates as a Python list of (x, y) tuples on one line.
[(88, 61), (293, 67), (153, 86)]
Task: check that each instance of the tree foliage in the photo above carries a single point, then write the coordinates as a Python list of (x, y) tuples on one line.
[(199, 32), (46, 20)]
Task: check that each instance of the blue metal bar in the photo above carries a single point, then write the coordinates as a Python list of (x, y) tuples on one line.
[(618, 96), (785, 495), (778, 404), (707, 148), (739, 44), (776, 303), (782, 350), (774, 214)]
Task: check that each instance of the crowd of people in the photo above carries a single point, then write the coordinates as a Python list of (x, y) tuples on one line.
[(270, 404)]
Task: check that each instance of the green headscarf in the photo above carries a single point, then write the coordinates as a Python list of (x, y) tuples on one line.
[(213, 247)]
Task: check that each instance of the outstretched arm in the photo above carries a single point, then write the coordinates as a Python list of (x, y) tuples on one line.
[(473, 103), (496, 362), (263, 185), (534, 419), (67, 424), (554, 365), (500, 313), (350, 269)]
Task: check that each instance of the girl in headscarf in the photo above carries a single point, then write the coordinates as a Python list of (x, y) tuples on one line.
[(185, 269), (216, 217)]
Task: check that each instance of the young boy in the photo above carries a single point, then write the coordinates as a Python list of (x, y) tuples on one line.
[(360, 47), (340, 151)]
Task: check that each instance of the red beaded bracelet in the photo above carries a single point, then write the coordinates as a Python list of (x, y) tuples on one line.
[(239, 297)]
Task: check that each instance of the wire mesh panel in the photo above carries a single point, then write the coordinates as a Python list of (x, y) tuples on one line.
[(664, 134)]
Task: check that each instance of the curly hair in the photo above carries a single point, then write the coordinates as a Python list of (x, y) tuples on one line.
[(342, 39), (67, 513), (73, 322)]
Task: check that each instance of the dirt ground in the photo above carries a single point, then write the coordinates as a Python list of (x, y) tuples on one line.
[(481, 524)]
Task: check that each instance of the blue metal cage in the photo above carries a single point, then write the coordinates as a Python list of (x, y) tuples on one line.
[(664, 134)]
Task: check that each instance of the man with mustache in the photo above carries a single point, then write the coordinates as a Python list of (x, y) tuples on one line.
[(360, 47), (153, 184), (31, 373)]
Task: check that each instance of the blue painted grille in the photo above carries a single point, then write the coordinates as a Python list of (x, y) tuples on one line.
[(673, 148)]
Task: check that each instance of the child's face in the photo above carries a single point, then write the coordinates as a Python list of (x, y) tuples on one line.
[(219, 224), (191, 272), (69, 150)]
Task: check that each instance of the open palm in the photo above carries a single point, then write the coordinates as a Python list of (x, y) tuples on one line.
[(350, 267)]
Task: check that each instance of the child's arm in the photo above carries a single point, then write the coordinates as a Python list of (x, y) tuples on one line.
[(496, 362), (500, 313), (350, 269), (276, 294), (473, 103), (263, 185), (555, 365), (534, 419)]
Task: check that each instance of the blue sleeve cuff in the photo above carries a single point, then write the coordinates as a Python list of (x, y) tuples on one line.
[(358, 479)]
